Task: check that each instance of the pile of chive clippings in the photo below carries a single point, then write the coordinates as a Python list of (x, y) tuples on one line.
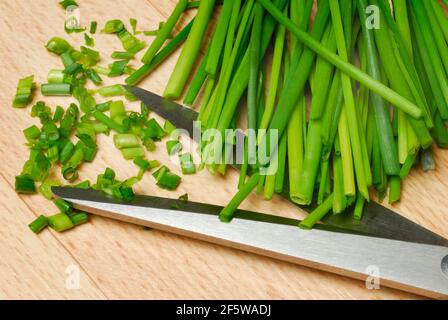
[(67, 137), (358, 97)]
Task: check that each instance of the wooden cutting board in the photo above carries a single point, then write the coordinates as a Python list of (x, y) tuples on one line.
[(120, 261)]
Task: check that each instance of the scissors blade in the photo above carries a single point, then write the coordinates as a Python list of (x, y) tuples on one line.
[(417, 268), (378, 221)]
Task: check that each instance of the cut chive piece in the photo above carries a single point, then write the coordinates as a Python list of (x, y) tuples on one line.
[(164, 53), (132, 153), (318, 214), (60, 222), (169, 127), (164, 32), (63, 206), (118, 68), (111, 124), (142, 163), (45, 188), (24, 92), (39, 224), (113, 26), (93, 26), (31, 133), (94, 76), (133, 22), (190, 51), (56, 76), (88, 40), (123, 141), (228, 211), (57, 45), (112, 91), (359, 207), (25, 185), (187, 164), (166, 179), (101, 70), (56, 89), (153, 130), (117, 109), (129, 42), (173, 147), (122, 55), (219, 37), (79, 218)]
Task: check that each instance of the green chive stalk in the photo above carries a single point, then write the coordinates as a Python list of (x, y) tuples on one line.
[(190, 51), (339, 198), (318, 214), (346, 154), (228, 211), (163, 54), (198, 81), (295, 149), (280, 176), (219, 37), (164, 32), (322, 77), (382, 118), (274, 80), (397, 80), (395, 189), (351, 112)]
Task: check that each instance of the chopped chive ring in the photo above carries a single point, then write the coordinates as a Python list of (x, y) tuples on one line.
[(24, 92), (58, 45), (39, 224), (56, 89), (173, 147), (93, 26), (60, 222), (166, 179), (63, 206), (123, 141), (24, 184), (132, 153), (79, 218), (187, 164)]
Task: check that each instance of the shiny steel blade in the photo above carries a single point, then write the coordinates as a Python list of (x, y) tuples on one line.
[(417, 268), (378, 221), (180, 116)]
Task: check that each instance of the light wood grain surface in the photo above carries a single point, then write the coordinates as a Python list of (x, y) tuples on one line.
[(122, 261)]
